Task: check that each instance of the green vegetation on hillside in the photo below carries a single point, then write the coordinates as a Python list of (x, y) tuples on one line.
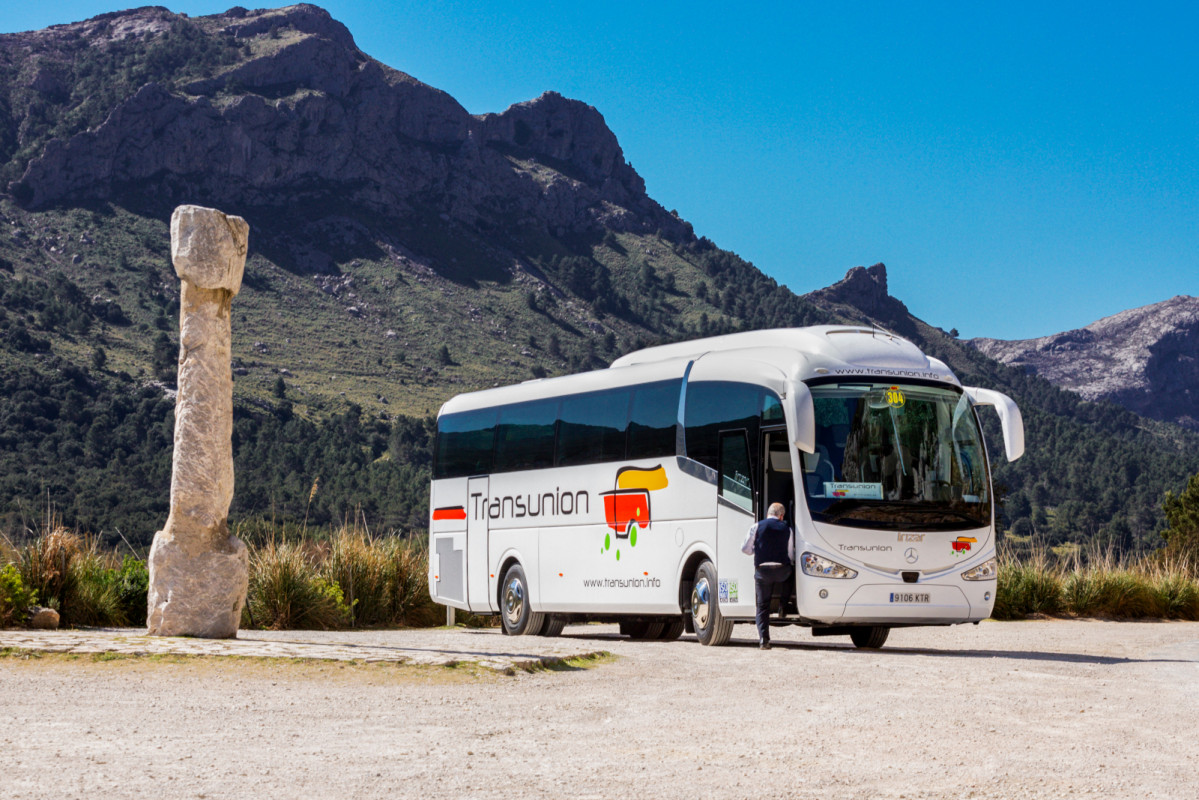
[(1182, 520)]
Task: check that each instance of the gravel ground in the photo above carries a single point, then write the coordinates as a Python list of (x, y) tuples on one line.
[(1005, 710)]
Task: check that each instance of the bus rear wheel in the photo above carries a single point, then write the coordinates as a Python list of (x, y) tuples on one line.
[(641, 629), (869, 638), (671, 630), (711, 628), (516, 615), (553, 625)]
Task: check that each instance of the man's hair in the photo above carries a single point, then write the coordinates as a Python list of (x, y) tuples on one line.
[(776, 510)]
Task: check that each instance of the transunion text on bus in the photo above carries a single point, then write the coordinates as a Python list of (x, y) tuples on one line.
[(529, 505)]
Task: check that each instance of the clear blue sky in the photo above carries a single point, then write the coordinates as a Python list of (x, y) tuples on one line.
[(1021, 168)]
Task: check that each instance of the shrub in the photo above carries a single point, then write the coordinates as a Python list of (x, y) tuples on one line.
[(133, 585), (46, 566), (287, 592), (94, 597), (85, 585), (1177, 596), (383, 580), (1028, 587), (15, 597), (1105, 592)]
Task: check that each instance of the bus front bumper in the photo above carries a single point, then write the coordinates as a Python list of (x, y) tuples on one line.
[(912, 603)]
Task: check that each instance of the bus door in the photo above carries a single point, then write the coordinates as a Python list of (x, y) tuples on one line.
[(736, 510), (778, 485), (477, 584), (778, 480)]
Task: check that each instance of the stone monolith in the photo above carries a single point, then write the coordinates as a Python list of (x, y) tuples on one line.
[(198, 571)]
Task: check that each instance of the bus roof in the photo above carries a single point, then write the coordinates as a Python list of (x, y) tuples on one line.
[(801, 353), (820, 350)]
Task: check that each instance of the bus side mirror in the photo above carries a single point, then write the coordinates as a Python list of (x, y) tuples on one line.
[(801, 422), (1009, 418)]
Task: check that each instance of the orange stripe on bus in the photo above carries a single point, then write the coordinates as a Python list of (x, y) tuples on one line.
[(454, 512)]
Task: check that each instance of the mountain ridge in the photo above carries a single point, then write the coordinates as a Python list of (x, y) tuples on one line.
[(1145, 359)]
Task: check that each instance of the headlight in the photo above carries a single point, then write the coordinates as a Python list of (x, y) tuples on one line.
[(986, 571), (823, 568)]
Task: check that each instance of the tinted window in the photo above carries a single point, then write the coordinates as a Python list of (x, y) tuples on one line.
[(713, 406), (735, 482), (525, 436), (464, 443), (653, 418), (772, 409), (592, 427)]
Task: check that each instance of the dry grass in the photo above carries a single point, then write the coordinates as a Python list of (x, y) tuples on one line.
[(71, 574), (286, 591), (350, 578), (1090, 583)]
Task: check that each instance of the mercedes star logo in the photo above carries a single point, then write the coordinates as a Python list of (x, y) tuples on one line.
[(911, 555)]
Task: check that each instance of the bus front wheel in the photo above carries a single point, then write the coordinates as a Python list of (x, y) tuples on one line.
[(517, 616), (870, 638), (711, 628)]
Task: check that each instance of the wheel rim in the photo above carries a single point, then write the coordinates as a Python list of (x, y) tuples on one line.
[(701, 597), (514, 602)]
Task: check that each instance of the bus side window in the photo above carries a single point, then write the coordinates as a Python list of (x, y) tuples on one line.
[(713, 406), (591, 428), (464, 444), (525, 436), (652, 420)]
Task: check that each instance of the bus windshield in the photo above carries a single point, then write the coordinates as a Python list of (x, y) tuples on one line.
[(896, 457)]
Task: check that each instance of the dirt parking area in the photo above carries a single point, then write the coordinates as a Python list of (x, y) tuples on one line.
[(1001, 710)]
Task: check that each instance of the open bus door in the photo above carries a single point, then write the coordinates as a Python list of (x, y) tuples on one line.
[(778, 482)]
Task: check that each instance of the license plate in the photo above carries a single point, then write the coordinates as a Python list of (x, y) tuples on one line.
[(909, 597)]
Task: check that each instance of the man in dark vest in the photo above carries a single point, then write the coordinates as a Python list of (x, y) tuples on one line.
[(772, 544)]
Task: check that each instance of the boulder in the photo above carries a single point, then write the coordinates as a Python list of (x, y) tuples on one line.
[(43, 618)]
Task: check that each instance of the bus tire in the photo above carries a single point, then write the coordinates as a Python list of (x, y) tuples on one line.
[(553, 625), (671, 629), (641, 629), (516, 614), (711, 628), (869, 638)]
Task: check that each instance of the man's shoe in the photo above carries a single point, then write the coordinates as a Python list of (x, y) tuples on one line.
[(764, 645)]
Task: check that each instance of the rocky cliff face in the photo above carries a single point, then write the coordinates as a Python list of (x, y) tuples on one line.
[(258, 108), (1145, 359), (862, 297)]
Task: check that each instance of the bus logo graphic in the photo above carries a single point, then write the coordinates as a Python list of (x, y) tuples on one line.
[(626, 508), (962, 544)]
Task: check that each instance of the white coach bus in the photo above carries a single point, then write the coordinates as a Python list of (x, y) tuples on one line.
[(624, 494)]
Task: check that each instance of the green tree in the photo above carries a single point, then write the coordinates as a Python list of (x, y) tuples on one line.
[(99, 359), (280, 387), (443, 355), (1182, 515)]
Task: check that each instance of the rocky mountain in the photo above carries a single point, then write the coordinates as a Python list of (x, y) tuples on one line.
[(1144, 359), (401, 251), (415, 244), (280, 108)]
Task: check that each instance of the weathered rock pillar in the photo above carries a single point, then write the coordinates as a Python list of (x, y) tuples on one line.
[(198, 571)]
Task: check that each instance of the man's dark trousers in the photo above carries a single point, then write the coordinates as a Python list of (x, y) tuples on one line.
[(766, 577)]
